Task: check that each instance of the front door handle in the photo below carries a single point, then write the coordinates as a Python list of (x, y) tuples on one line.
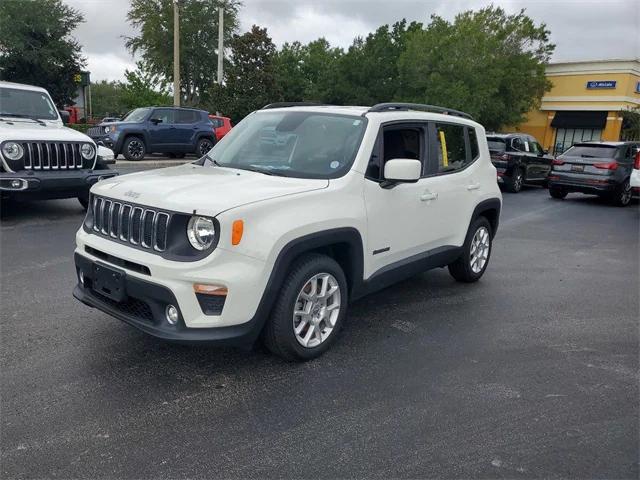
[(473, 186), (426, 196)]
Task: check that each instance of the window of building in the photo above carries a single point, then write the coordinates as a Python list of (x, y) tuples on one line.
[(566, 137)]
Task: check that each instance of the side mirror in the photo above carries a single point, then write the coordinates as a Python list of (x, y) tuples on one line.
[(65, 116), (401, 170), (155, 121)]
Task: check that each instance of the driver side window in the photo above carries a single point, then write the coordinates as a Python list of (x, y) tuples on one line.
[(164, 114), (395, 141)]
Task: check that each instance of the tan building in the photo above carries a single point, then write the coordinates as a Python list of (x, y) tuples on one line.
[(584, 103)]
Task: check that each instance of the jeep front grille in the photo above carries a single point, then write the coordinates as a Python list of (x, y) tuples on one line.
[(94, 131), (140, 226), (52, 156)]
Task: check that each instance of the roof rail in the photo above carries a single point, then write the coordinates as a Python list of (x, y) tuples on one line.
[(383, 107), (291, 104)]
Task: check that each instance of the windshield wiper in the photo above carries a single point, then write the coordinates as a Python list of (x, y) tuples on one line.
[(20, 115), (258, 170)]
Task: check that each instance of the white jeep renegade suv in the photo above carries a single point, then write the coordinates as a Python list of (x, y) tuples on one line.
[(299, 210)]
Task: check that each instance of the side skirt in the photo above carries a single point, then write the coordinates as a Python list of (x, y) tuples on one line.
[(406, 268)]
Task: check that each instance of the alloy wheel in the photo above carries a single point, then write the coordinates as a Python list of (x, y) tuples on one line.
[(480, 246), (316, 310), (135, 149), (517, 182), (625, 196), (205, 146)]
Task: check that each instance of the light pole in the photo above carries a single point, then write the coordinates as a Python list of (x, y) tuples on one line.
[(176, 53), (220, 41)]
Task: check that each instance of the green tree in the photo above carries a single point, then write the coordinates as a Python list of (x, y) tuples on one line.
[(487, 63), (198, 40), (141, 89), (630, 124), (107, 99), (368, 72), (320, 69), (36, 47), (290, 78), (250, 77)]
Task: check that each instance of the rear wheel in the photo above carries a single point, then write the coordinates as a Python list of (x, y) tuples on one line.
[(514, 182), (203, 146), (470, 266), (622, 196), (309, 310), (557, 192)]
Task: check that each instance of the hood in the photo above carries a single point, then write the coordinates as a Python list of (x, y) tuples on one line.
[(207, 190), (21, 129)]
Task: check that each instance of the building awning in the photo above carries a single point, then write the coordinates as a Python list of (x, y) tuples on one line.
[(579, 119)]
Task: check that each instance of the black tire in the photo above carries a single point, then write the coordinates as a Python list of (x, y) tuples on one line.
[(278, 334), (513, 183), (462, 269), (623, 194), (558, 192), (203, 146), (134, 149)]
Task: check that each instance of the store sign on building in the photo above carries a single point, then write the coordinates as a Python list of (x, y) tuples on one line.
[(595, 84)]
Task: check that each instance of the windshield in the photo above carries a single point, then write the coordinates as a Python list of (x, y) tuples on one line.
[(291, 144), (591, 151), (137, 115), (497, 143), (15, 102)]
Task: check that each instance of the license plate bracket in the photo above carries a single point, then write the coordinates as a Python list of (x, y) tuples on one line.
[(110, 282), (577, 168)]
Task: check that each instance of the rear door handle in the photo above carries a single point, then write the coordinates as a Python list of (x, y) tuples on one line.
[(426, 196), (473, 186)]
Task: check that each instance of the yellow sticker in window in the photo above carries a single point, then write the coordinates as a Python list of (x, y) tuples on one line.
[(443, 144)]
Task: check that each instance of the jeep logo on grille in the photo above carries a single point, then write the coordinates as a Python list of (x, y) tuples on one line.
[(131, 194)]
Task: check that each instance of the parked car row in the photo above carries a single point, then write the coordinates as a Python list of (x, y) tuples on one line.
[(607, 169)]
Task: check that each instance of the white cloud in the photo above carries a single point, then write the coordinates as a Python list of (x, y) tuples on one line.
[(108, 66)]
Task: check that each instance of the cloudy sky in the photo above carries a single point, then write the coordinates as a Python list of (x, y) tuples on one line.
[(581, 29)]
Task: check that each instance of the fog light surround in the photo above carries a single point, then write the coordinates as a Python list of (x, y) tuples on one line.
[(81, 277), (172, 315)]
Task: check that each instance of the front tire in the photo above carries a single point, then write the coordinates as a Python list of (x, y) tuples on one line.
[(309, 311), (476, 251), (134, 149)]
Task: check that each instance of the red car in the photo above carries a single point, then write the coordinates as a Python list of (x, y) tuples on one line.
[(221, 125)]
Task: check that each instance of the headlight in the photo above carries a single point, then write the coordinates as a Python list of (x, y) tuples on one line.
[(109, 129), (87, 151), (201, 232), (12, 151)]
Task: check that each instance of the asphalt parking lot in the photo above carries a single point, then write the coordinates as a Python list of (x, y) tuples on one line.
[(530, 373)]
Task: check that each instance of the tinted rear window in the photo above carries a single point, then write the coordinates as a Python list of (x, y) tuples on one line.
[(497, 143), (599, 151)]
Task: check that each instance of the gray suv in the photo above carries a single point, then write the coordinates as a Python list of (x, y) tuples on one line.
[(599, 168)]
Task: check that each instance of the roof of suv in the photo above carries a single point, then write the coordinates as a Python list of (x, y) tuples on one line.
[(21, 86), (393, 114)]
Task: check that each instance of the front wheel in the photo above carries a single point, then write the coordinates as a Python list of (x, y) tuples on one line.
[(473, 261), (309, 310), (134, 149)]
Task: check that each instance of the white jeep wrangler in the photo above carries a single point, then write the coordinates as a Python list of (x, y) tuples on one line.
[(40, 158), (296, 212)]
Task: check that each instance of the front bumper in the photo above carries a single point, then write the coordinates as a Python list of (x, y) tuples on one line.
[(583, 183), (145, 306), (110, 141), (50, 184)]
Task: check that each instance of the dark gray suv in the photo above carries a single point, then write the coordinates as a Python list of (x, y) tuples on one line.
[(171, 130), (600, 168)]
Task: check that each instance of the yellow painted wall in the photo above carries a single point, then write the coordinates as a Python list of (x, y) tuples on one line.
[(538, 123)]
